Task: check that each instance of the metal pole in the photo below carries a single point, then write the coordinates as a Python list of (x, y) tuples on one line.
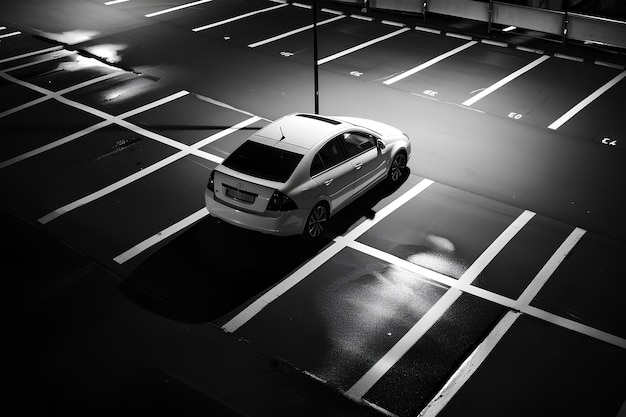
[(315, 75)]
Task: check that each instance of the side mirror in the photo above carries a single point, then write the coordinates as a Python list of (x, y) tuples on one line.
[(380, 144)]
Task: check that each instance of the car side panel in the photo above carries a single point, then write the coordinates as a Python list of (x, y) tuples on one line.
[(337, 184), (369, 167)]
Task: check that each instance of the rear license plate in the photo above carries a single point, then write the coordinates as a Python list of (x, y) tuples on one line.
[(239, 195)]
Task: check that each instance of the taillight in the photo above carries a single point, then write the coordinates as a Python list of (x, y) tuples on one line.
[(280, 202), (211, 184)]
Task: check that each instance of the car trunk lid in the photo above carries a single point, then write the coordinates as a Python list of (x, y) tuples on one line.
[(243, 191)]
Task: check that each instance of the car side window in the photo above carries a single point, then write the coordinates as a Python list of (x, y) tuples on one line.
[(357, 142), (330, 155)]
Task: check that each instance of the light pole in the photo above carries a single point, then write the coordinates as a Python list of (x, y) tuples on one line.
[(315, 75)]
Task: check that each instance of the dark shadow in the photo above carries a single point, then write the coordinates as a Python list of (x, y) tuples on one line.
[(364, 207), (213, 269)]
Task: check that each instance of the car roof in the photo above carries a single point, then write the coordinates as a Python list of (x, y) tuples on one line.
[(299, 131)]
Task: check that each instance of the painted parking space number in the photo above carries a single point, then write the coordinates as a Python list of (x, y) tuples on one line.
[(609, 142), (430, 93), (515, 116)]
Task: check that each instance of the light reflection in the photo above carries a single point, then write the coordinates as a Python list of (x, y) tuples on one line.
[(80, 63), (438, 255), (73, 36), (112, 95), (128, 89), (377, 304), (109, 52)]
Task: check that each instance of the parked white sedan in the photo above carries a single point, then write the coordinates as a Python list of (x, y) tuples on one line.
[(291, 176)]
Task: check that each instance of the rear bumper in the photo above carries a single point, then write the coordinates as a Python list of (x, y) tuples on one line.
[(272, 222)]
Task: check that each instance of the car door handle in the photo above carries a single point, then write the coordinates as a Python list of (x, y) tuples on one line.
[(328, 182), (358, 165)]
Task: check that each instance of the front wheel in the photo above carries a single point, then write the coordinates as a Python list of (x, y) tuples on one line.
[(398, 168), (316, 221)]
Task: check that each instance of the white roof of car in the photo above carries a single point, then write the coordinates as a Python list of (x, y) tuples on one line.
[(301, 130)]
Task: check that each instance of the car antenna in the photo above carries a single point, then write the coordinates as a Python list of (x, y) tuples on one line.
[(281, 133)]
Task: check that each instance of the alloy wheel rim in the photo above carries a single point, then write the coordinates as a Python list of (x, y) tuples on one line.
[(397, 167), (316, 223)]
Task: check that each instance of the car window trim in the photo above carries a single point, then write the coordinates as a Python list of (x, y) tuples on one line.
[(344, 151), (343, 146)]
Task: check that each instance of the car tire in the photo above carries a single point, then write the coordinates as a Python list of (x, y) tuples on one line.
[(397, 168), (316, 221)]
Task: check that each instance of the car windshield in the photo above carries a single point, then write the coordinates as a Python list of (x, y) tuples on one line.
[(263, 161)]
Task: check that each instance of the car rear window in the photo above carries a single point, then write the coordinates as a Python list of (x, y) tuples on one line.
[(263, 161)]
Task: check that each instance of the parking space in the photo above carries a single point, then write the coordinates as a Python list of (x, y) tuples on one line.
[(394, 56), (340, 320), (549, 91), (51, 127), (462, 75), (136, 211), (450, 233), (260, 26), (600, 120), (592, 271), (81, 167), (188, 120), (16, 95), (510, 274), (15, 45), (336, 33), (65, 72), (561, 371)]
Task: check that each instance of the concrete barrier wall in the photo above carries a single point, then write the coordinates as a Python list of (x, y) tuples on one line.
[(579, 27), (474, 10), (412, 6), (547, 21), (588, 28)]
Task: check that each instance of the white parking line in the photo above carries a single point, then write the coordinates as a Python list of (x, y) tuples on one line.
[(361, 46), (469, 366), (59, 93), (428, 63), (173, 9), (164, 234), (548, 269), (54, 144), (6, 35), (380, 368), (198, 215), (243, 16), (306, 269), (487, 256), (59, 54), (373, 375), (458, 36), (505, 80), (26, 55), (584, 103), (109, 119), (493, 297), (293, 32), (185, 150)]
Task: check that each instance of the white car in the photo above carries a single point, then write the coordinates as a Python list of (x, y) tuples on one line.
[(292, 175)]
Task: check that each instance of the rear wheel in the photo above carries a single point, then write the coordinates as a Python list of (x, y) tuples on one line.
[(398, 168), (316, 221)]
